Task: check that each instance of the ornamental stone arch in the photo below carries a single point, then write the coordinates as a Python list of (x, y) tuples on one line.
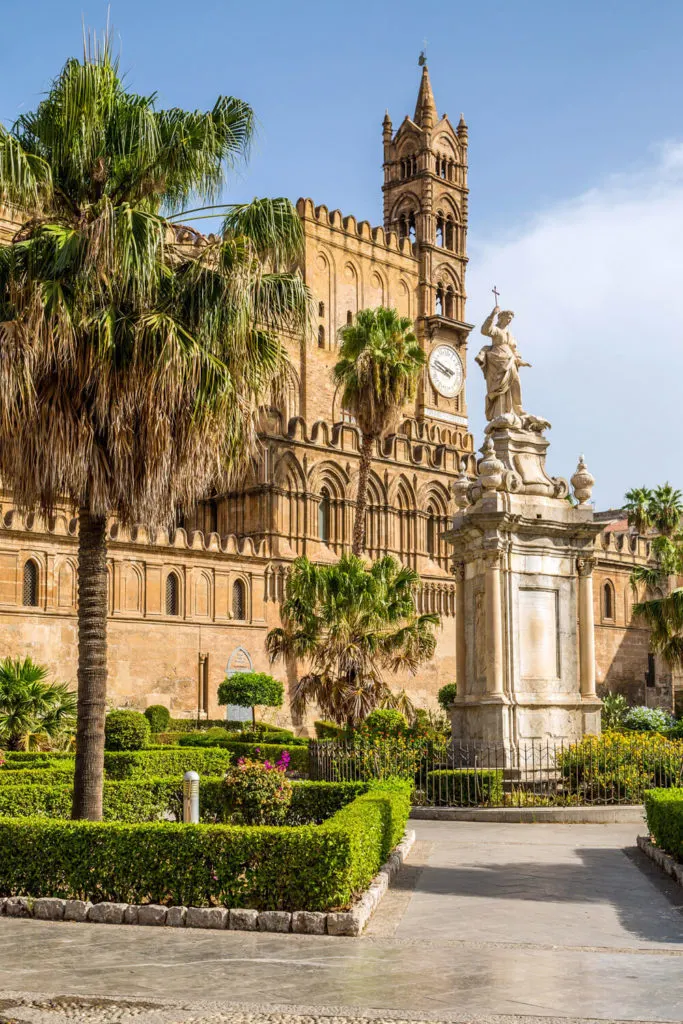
[(65, 582), (203, 588), (131, 586)]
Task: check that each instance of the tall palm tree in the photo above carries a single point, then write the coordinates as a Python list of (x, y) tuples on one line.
[(380, 361), (349, 623), (30, 706), (638, 507), (133, 352)]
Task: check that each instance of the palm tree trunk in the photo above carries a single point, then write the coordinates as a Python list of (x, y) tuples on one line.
[(362, 495), (92, 665)]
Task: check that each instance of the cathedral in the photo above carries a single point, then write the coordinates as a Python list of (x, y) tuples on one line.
[(191, 604)]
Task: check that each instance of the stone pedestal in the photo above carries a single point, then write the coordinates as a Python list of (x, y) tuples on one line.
[(522, 557)]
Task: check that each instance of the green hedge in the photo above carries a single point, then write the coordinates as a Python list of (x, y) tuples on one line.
[(465, 787), (319, 867), (137, 800), (664, 813), (43, 777), (15, 759), (257, 751)]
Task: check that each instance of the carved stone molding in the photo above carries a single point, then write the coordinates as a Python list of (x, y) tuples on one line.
[(585, 565)]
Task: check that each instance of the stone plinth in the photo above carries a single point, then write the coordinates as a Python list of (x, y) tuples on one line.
[(524, 604)]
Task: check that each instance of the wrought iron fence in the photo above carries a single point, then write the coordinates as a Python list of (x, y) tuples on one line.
[(613, 769)]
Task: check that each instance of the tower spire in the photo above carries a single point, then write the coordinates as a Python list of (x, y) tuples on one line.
[(425, 110)]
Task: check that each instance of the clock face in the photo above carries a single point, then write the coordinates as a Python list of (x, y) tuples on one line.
[(445, 371)]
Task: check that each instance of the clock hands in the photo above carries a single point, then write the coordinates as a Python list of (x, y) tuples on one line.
[(443, 368)]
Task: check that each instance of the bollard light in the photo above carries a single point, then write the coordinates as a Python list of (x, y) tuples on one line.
[(191, 798)]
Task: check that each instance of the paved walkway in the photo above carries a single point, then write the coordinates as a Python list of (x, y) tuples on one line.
[(487, 922)]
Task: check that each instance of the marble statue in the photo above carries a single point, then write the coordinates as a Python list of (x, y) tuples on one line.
[(500, 362)]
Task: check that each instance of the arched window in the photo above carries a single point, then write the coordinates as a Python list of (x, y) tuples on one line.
[(451, 171), (450, 234), (30, 589), (402, 227), (431, 534), (172, 594), (439, 230), (608, 601), (324, 515), (321, 337), (238, 600), (449, 303), (442, 169), (321, 309), (438, 309), (211, 517), (349, 316), (412, 234), (404, 172)]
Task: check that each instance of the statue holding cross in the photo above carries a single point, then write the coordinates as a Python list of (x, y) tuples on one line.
[(500, 362)]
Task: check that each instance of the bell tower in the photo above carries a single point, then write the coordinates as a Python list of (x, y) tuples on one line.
[(425, 200)]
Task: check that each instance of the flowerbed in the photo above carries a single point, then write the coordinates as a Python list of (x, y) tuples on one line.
[(619, 768), (319, 867), (664, 813)]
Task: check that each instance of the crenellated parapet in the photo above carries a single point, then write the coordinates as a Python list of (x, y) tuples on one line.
[(362, 230)]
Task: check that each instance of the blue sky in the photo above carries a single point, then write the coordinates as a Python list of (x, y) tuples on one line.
[(576, 165)]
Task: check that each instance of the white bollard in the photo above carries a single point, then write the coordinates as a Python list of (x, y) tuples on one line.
[(191, 798)]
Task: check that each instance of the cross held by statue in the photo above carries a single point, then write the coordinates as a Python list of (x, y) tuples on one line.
[(496, 293)]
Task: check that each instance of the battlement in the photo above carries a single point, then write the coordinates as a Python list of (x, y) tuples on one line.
[(349, 226)]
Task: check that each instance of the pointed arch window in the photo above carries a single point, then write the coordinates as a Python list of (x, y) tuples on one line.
[(402, 227), (450, 234), (431, 533), (412, 234), (172, 594), (30, 584), (449, 303), (439, 230), (349, 316), (324, 510), (321, 309), (439, 305), (239, 603), (608, 601), (321, 337)]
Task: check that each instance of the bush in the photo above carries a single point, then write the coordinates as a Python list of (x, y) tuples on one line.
[(642, 719), (251, 689), (328, 730), (383, 723), (614, 707), (39, 777), (298, 756), (465, 787), (194, 724), (159, 717), (664, 813), (319, 867), (618, 767), (447, 695), (166, 762), (17, 759), (258, 792), (126, 730)]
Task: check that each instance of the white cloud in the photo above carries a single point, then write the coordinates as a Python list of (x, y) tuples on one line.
[(596, 284)]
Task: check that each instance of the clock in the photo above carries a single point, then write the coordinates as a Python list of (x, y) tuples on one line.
[(446, 371)]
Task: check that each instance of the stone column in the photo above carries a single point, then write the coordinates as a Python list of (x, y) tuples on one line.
[(460, 641), (494, 626), (586, 627)]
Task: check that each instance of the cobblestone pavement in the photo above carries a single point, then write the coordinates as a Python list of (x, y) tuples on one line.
[(494, 924)]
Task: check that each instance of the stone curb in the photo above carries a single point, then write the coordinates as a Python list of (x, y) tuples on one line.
[(347, 922), (663, 860), (632, 814)]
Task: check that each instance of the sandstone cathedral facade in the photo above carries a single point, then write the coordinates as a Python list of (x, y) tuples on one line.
[(190, 604)]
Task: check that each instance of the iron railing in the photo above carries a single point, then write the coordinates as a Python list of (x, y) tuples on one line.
[(597, 770)]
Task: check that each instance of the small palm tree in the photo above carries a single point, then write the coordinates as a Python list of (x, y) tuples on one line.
[(664, 616), (349, 623), (380, 361), (31, 709), (638, 507), (134, 352)]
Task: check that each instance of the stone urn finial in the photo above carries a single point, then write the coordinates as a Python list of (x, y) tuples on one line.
[(461, 487), (491, 469), (582, 482)]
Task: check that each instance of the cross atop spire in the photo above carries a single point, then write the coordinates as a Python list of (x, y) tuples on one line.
[(425, 110)]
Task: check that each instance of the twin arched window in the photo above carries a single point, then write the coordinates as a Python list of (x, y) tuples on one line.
[(445, 232), (445, 302), (30, 584), (408, 166)]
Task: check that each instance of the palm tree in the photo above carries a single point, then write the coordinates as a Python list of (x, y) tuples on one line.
[(664, 616), (638, 507), (30, 707), (380, 361), (134, 351), (348, 623)]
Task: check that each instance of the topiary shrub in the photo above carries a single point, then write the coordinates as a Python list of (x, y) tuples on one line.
[(258, 792), (664, 813), (251, 690), (159, 717), (126, 730), (643, 719), (447, 695), (384, 722)]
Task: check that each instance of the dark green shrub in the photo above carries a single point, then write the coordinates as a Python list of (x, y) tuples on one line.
[(126, 730), (383, 723), (465, 787), (250, 690), (194, 724), (328, 730), (159, 717), (664, 813), (166, 762), (447, 695), (320, 867), (39, 777), (257, 793), (16, 759)]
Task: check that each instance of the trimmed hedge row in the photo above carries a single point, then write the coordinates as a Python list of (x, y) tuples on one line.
[(152, 799), (15, 759), (465, 787), (664, 813), (319, 867), (27, 777)]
